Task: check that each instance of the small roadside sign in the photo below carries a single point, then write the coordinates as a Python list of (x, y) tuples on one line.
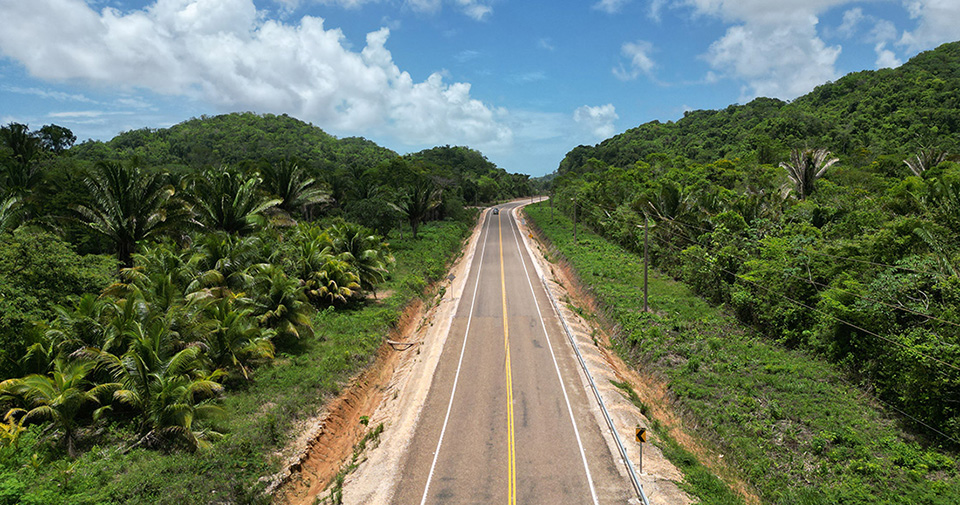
[(641, 435)]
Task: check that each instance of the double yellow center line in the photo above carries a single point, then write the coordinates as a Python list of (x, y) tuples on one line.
[(511, 446)]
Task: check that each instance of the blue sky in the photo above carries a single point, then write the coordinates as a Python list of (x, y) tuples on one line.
[(522, 81)]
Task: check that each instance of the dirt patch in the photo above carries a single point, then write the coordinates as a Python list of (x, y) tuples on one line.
[(328, 439), (651, 388)]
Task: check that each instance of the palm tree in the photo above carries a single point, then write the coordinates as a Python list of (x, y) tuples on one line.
[(333, 283), (291, 184), (57, 397), (806, 167), (230, 202), (222, 261), (230, 339), (363, 251), (926, 159), (11, 211), (417, 200), (279, 302), (22, 174), (129, 205), (169, 389)]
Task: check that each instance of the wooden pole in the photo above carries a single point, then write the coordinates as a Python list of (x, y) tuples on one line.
[(646, 266)]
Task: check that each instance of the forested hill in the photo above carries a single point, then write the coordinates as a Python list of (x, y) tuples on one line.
[(862, 117), (235, 138)]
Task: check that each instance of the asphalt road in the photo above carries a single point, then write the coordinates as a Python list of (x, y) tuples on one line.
[(507, 418)]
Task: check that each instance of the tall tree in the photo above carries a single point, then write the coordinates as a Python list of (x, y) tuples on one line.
[(129, 205), (231, 202), (289, 182), (925, 159), (417, 200), (805, 167), (56, 138), (21, 173)]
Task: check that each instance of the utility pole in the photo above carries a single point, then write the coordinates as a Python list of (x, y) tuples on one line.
[(646, 261), (574, 220), (551, 209)]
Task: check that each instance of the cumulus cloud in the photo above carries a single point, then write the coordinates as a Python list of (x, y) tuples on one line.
[(773, 46), (597, 120), (224, 53), (782, 61), (638, 56), (938, 21)]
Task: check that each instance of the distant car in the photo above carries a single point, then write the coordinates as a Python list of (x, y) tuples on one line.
[(496, 210)]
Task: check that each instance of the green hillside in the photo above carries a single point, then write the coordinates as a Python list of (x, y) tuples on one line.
[(862, 117)]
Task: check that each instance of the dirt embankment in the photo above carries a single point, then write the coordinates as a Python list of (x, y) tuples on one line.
[(390, 391)]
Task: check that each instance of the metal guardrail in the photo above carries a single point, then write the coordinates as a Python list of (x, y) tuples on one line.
[(616, 437)]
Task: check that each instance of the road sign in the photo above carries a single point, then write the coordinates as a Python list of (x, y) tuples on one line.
[(641, 434)]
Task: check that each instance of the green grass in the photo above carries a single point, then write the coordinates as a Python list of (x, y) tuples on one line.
[(262, 413), (790, 423)]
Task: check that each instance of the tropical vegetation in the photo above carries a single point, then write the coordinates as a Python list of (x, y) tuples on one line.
[(152, 289)]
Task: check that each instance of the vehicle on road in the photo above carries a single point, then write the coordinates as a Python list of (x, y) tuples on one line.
[(496, 210)]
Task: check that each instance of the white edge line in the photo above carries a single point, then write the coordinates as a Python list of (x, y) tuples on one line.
[(583, 455), (616, 437), (456, 376)]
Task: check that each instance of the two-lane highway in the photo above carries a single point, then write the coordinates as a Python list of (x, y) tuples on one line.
[(507, 419)]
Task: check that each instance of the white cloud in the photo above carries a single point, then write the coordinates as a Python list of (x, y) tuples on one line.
[(610, 6), (886, 58), (597, 120), (638, 54), (47, 94), (546, 43), (773, 47), (655, 7), (938, 21), (783, 61), (851, 21), (224, 53), (476, 9)]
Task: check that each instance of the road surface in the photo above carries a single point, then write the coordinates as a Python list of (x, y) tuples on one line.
[(507, 419)]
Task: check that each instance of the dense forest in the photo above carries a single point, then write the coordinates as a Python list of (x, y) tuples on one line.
[(828, 223), (145, 278)]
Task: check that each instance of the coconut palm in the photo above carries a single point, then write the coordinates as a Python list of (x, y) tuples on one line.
[(290, 183), (363, 251), (333, 283), (926, 159), (805, 167), (279, 302), (222, 261), (229, 201), (169, 389), (58, 397), (129, 205), (231, 340)]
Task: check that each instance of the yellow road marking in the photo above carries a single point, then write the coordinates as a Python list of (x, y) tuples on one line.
[(511, 447)]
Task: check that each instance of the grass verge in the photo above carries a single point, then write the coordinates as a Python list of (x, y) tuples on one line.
[(792, 424)]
